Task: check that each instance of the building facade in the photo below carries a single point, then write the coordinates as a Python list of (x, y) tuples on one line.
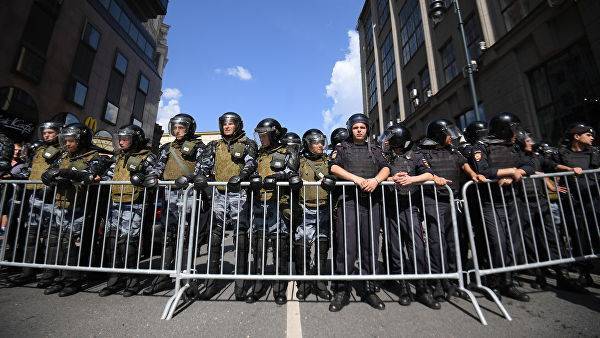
[(535, 58), (99, 62)]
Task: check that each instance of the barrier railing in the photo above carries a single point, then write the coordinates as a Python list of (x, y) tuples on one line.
[(540, 221), (418, 231)]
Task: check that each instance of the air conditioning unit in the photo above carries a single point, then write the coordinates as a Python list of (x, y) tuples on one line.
[(429, 93), (555, 3), (416, 102), (413, 94)]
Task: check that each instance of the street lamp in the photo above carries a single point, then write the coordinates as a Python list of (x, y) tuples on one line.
[(437, 10)]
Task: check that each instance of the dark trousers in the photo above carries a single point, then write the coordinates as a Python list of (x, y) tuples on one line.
[(357, 224), (440, 234), (503, 234), (543, 238), (404, 229)]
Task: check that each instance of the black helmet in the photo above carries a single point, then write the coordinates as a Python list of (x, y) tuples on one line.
[(271, 127), (504, 126), (398, 136), (438, 130), (357, 118), (81, 133), (231, 117), (579, 128), (134, 133), (184, 120), (339, 135), (521, 138), (54, 125), (476, 131), (313, 136), (291, 139)]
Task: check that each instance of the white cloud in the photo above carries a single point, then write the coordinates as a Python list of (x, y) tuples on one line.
[(168, 106), (344, 87), (237, 71)]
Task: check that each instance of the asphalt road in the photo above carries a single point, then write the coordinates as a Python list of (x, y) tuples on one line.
[(25, 311)]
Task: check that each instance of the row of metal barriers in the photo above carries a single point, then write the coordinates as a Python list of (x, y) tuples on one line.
[(395, 233)]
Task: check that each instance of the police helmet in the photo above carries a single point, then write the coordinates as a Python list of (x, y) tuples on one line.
[(134, 133), (579, 128), (313, 136), (53, 125), (357, 118), (271, 127), (236, 119), (398, 136), (338, 136), (504, 126), (185, 120), (81, 133), (476, 131), (438, 130), (291, 139)]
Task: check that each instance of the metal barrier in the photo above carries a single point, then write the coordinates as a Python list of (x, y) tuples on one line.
[(524, 225), (418, 231), (106, 227)]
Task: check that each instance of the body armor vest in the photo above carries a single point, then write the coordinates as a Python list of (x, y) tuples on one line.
[(177, 164), (307, 173), (444, 164), (266, 162), (360, 161), (501, 155), (587, 159), (39, 165), (65, 196), (126, 193), (229, 160), (406, 163)]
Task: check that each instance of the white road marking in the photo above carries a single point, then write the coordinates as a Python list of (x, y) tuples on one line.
[(294, 326)]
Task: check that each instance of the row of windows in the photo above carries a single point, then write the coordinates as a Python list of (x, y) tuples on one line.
[(128, 26), (388, 62), (411, 29), (372, 86), (82, 65), (383, 10)]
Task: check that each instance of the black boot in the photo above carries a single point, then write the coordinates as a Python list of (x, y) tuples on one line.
[(242, 265), (565, 283), (511, 291), (438, 291), (159, 283), (46, 278), (405, 296), (341, 298), (26, 277), (425, 297), (320, 285), (54, 288), (113, 285), (212, 289), (585, 279), (132, 286), (540, 280), (450, 288), (71, 288), (370, 297), (302, 260), (280, 287)]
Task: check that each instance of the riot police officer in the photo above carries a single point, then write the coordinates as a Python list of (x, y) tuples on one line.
[(231, 159), (276, 163), (447, 164), (498, 158), (402, 204), (474, 133), (576, 155), (45, 153), (132, 162), (314, 227), (75, 169), (359, 161), (292, 140), (176, 161)]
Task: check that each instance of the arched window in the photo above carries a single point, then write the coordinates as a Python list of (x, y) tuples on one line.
[(104, 140), (66, 118), (18, 113)]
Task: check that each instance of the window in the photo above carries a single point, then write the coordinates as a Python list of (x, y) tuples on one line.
[(513, 11), (464, 119), (565, 89), (82, 65), (448, 62), (115, 86), (425, 84), (388, 62), (139, 101), (411, 29), (473, 34), (368, 28), (31, 56), (412, 102), (384, 12), (372, 86)]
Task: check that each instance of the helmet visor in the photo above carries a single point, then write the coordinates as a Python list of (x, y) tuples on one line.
[(69, 140), (48, 131), (454, 132), (122, 141), (175, 125), (314, 140)]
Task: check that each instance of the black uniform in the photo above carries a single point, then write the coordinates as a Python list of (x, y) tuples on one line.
[(351, 230)]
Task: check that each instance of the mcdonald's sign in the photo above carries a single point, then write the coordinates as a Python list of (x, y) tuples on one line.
[(91, 123)]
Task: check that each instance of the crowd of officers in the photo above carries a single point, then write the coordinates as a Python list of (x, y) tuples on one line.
[(264, 214)]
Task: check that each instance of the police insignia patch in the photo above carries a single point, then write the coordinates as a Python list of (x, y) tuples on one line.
[(426, 164), (333, 154), (477, 156)]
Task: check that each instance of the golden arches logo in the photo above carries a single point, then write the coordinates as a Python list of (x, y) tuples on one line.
[(91, 123)]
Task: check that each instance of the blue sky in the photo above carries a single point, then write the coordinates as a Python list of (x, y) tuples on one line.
[(296, 61)]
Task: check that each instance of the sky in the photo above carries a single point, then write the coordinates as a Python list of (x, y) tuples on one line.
[(296, 61)]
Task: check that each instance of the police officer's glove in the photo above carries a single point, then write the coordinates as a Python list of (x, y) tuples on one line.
[(200, 182), (76, 176), (270, 182), (328, 182), (137, 180), (234, 183), (49, 176), (150, 181), (255, 183), (295, 182), (182, 182)]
